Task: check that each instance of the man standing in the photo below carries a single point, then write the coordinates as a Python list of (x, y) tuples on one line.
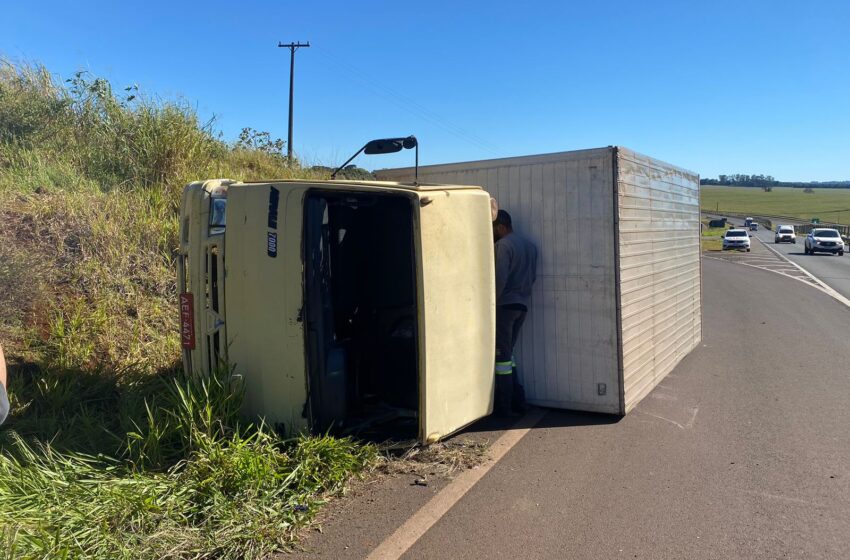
[(516, 271)]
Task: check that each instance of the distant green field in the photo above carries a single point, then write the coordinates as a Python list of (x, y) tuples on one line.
[(830, 205)]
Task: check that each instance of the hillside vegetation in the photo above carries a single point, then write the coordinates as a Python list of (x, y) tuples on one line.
[(111, 452), (830, 205)]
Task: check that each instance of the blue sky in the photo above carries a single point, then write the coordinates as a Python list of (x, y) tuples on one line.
[(716, 87)]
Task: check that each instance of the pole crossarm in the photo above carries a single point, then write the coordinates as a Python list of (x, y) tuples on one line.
[(293, 45)]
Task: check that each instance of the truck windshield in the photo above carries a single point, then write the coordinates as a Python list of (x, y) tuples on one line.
[(786, 230), (218, 215), (826, 233)]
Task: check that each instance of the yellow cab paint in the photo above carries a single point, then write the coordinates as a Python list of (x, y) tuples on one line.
[(248, 304)]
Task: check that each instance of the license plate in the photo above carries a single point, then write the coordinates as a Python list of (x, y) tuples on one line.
[(187, 321)]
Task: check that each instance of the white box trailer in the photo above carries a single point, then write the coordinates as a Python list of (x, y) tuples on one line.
[(617, 303)]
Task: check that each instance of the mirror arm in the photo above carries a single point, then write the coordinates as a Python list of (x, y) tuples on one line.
[(405, 145), (338, 169)]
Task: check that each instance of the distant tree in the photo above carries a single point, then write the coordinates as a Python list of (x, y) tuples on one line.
[(251, 139), (351, 172), (766, 182)]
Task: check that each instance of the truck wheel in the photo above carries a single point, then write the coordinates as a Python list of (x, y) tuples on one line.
[(748, 249), (806, 250), (840, 253)]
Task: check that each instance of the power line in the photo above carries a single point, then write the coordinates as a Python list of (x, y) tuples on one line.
[(410, 105)]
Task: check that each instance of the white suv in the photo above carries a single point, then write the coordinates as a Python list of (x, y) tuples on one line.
[(736, 239), (824, 240), (785, 234)]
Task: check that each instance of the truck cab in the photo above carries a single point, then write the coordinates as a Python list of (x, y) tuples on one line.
[(355, 307)]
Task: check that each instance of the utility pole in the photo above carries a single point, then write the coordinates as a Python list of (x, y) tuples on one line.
[(292, 48)]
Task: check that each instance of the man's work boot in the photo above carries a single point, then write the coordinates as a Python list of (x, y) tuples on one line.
[(518, 403), (504, 396)]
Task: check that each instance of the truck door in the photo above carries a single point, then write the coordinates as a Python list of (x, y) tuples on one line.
[(457, 319), (325, 359)]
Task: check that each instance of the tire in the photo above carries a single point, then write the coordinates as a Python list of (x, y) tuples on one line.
[(806, 250), (794, 242), (840, 253), (748, 249)]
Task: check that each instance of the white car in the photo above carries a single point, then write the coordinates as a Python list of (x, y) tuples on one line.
[(824, 240), (785, 234), (736, 239)]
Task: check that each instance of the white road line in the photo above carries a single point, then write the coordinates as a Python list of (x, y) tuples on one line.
[(406, 536), (678, 425), (820, 284), (810, 279), (805, 280)]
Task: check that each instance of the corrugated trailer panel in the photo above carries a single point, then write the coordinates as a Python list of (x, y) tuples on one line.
[(659, 270), (617, 301), (565, 204)]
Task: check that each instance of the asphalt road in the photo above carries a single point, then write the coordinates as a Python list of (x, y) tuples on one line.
[(832, 270), (743, 451)]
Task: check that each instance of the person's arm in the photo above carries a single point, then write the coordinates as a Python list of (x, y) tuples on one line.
[(503, 267), (4, 397), (2, 367)]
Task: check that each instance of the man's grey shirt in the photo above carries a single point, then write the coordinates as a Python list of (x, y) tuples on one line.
[(516, 270)]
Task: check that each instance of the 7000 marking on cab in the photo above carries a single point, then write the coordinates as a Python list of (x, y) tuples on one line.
[(271, 247)]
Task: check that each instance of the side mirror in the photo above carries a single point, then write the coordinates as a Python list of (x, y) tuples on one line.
[(385, 146), (388, 145)]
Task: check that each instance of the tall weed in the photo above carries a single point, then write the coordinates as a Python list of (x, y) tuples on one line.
[(90, 182), (188, 479), (111, 451)]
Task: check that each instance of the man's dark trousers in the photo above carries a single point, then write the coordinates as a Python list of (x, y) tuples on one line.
[(509, 392)]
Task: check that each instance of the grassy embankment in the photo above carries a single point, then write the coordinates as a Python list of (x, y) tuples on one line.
[(111, 452), (830, 205), (712, 238)]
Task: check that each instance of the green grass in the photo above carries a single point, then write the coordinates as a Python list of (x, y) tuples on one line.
[(90, 184), (830, 205), (149, 467), (712, 238), (110, 451)]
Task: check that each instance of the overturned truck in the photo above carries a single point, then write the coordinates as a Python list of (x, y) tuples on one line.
[(369, 306), (344, 305)]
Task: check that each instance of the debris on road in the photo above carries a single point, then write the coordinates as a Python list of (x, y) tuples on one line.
[(438, 459)]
